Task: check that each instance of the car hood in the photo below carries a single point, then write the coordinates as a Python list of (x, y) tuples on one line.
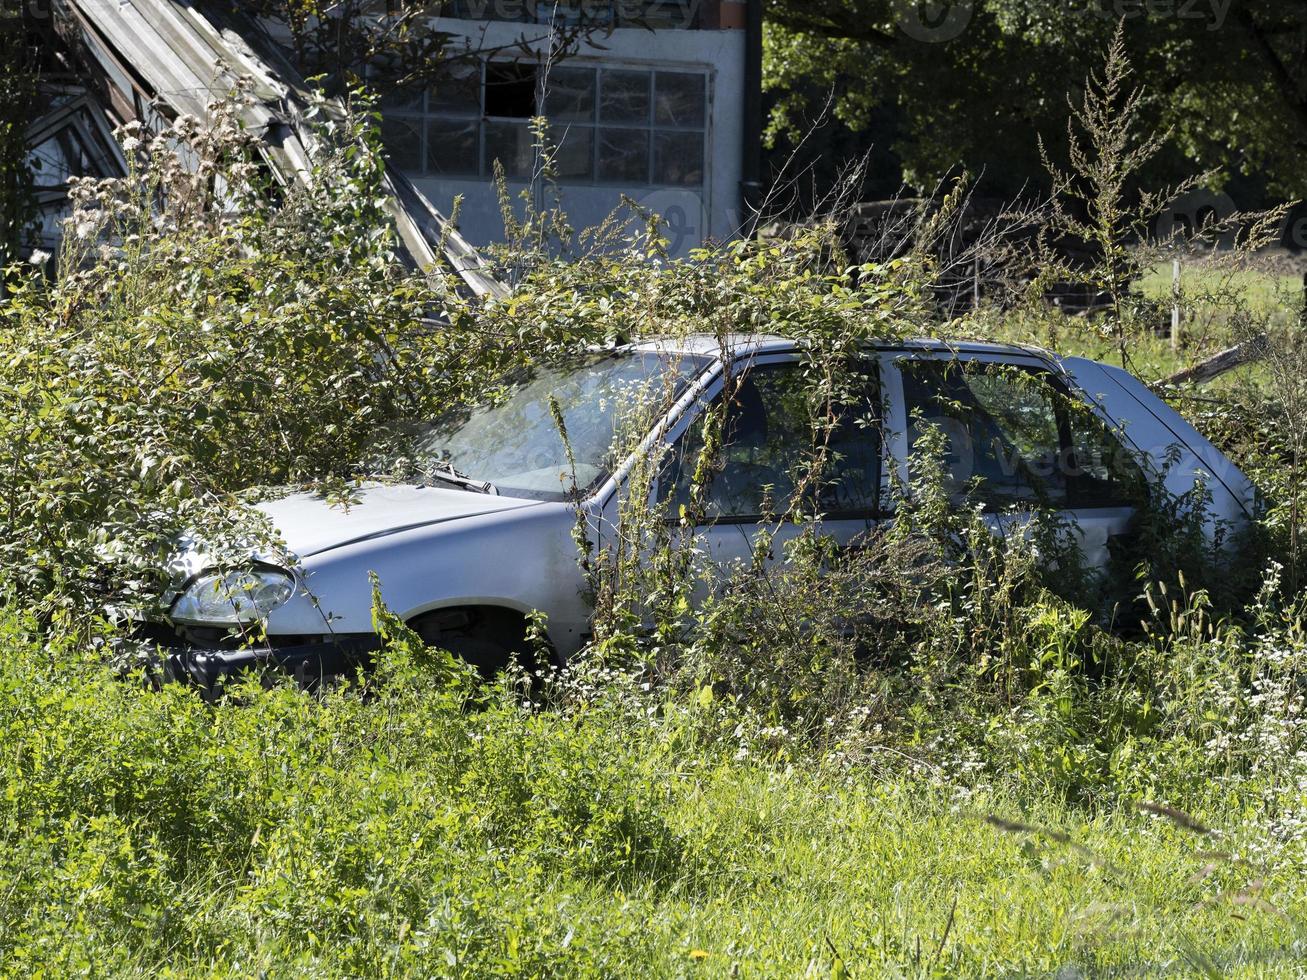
[(310, 525)]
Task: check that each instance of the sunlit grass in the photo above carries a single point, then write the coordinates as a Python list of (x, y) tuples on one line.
[(1222, 305), (898, 878), (1265, 289)]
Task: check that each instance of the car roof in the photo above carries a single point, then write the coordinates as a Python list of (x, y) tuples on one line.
[(748, 345)]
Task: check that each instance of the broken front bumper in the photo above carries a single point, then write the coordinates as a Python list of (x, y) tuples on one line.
[(166, 660)]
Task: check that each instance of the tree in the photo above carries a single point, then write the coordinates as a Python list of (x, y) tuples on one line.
[(979, 80)]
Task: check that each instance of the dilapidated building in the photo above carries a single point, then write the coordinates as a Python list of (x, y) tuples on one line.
[(655, 100), (151, 60), (660, 105)]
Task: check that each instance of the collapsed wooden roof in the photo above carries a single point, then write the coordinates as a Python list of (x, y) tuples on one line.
[(156, 59)]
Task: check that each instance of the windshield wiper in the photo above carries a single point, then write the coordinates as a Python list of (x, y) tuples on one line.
[(446, 473)]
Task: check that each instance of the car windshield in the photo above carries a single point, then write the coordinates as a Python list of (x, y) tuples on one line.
[(515, 443)]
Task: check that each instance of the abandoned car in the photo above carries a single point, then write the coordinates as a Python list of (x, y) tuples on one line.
[(482, 534)]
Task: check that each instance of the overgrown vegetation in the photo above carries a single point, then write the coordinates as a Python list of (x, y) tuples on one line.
[(937, 754), (977, 81)]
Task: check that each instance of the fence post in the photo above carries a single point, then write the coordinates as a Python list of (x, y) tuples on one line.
[(1177, 315)]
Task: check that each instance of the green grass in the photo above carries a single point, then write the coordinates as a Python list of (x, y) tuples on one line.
[(1150, 356), (1268, 294), (1264, 289), (406, 834), (903, 878)]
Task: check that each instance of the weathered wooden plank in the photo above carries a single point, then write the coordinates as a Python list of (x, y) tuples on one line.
[(1224, 362)]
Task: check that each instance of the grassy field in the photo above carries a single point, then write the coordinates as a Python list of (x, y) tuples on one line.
[(406, 834), (1223, 305), (901, 878), (1271, 284)]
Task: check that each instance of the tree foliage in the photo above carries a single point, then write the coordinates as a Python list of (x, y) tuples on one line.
[(1226, 79)]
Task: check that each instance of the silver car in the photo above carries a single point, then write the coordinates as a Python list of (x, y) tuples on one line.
[(483, 534)]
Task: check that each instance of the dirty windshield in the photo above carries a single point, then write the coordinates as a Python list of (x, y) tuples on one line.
[(515, 443)]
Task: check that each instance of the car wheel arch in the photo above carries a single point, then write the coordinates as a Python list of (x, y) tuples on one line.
[(501, 624)]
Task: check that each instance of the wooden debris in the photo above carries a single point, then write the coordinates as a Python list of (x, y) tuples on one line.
[(1224, 362)]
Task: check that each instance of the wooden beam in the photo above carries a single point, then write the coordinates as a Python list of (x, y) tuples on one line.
[(1224, 362)]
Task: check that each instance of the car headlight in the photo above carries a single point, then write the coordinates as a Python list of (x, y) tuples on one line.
[(233, 598)]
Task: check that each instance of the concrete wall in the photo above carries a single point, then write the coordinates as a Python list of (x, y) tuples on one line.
[(693, 217)]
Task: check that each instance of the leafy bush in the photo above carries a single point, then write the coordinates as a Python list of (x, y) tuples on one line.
[(192, 347)]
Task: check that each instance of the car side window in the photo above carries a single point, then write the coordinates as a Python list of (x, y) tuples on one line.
[(1104, 473), (772, 434), (1013, 436)]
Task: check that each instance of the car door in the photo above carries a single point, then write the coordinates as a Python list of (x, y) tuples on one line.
[(1017, 439), (769, 441)]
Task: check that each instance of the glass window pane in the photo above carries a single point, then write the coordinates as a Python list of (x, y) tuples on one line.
[(625, 97), (851, 478), (574, 158), (678, 159), (570, 95), (514, 442), (624, 156), (452, 147), (510, 90), (680, 99), (1102, 471), (1001, 436), (403, 139), (768, 451), (513, 145), (402, 100), (457, 90)]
